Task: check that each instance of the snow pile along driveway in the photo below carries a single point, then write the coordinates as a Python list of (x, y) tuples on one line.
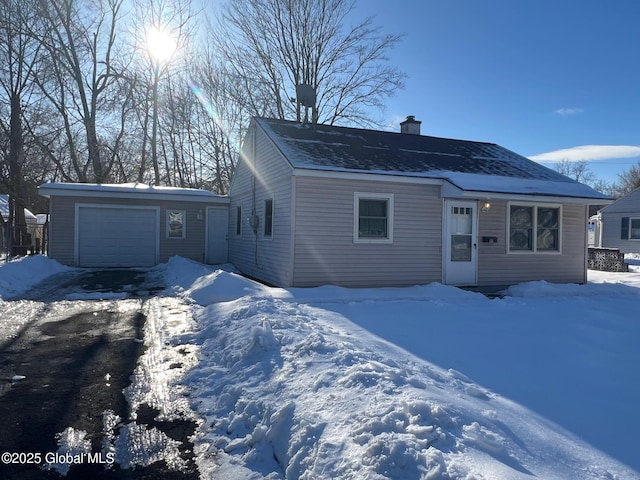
[(20, 274), (289, 387)]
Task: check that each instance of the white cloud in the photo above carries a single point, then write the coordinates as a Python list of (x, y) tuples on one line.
[(589, 153), (569, 111)]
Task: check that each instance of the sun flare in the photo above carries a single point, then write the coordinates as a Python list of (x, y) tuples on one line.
[(160, 44)]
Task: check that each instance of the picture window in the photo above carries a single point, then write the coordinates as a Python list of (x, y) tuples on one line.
[(534, 228)]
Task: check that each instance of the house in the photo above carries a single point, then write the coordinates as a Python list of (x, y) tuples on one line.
[(127, 225), (617, 226), (30, 220), (318, 204)]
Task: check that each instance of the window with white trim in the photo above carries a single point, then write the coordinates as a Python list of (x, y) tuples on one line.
[(373, 218), (534, 228)]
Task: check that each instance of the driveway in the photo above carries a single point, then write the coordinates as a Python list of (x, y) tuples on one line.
[(67, 351)]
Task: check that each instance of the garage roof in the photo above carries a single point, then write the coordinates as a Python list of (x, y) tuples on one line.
[(130, 190)]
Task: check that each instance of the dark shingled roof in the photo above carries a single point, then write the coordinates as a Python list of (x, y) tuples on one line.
[(358, 149), (324, 147)]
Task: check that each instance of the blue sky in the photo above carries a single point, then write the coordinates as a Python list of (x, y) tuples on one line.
[(559, 78)]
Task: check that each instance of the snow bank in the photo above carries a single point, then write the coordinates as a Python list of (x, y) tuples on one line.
[(180, 273), (288, 386), (19, 275), (334, 294), (546, 289), (206, 285)]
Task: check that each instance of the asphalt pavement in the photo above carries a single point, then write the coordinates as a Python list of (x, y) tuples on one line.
[(68, 367)]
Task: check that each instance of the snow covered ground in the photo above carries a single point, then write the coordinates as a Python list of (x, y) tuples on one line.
[(19, 275), (422, 382)]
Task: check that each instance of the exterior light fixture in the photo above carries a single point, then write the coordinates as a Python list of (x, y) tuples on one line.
[(486, 206), (200, 215)]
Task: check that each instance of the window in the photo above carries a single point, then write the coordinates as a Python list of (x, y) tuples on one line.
[(238, 220), (461, 234), (521, 228), (534, 228), (548, 228), (268, 218), (373, 218), (634, 231), (630, 228), (372, 222), (176, 224)]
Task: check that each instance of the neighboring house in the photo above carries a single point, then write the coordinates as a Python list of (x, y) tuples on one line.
[(30, 220), (317, 204), (618, 225), (134, 224)]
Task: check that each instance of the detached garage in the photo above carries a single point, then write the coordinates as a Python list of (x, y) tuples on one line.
[(134, 225)]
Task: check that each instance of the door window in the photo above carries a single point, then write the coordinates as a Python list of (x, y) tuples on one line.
[(461, 232)]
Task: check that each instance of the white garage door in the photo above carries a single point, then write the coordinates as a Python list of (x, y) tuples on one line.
[(117, 237)]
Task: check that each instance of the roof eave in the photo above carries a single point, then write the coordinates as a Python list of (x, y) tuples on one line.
[(90, 191), (533, 197)]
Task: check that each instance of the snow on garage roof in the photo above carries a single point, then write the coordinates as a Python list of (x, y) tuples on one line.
[(130, 190)]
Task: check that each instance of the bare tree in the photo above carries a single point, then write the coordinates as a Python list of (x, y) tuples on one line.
[(578, 170), (221, 117), (629, 180), (80, 42), (18, 56), (156, 27), (270, 46), (105, 109), (608, 188), (581, 172)]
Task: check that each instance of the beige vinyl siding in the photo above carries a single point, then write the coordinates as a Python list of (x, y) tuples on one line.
[(63, 226), (62, 229), (267, 259), (193, 245), (498, 267), (325, 252)]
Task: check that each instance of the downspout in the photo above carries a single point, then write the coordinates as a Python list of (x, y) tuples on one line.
[(292, 239), (254, 216), (599, 229)]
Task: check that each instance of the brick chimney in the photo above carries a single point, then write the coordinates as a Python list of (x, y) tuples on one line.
[(410, 125)]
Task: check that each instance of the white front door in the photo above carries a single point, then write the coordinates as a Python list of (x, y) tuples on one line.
[(460, 243), (217, 235)]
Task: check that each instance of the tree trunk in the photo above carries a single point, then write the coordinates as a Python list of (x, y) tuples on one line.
[(154, 129), (17, 195)]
